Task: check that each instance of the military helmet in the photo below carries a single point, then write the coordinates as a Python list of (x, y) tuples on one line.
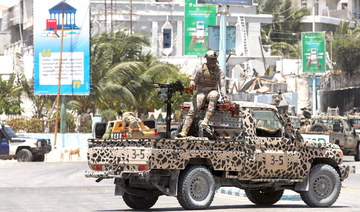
[(211, 54)]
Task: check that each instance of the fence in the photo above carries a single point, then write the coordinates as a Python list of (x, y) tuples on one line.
[(22, 124)]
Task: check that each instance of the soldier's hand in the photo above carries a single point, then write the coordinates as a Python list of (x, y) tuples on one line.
[(225, 99), (192, 85)]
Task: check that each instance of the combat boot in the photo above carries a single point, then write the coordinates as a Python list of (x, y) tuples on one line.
[(205, 122), (184, 131)]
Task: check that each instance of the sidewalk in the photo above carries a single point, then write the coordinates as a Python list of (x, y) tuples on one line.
[(288, 194), (64, 155)]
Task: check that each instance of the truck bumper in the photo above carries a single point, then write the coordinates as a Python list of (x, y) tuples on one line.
[(345, 170), (123, 174)]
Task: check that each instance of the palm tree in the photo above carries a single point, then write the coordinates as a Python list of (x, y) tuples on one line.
[(286, 23), (42, 104)]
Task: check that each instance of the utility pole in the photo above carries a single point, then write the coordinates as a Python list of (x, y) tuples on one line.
[(130, 16), (223, 10), (314, 77), (105, 17), (111, 14)]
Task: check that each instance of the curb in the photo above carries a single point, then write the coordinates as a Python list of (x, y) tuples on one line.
[(288, 195)]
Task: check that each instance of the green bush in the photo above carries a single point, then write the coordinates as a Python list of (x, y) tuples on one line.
[(347, 53)]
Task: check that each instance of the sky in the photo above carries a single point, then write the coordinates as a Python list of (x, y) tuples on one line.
[(8, 3)]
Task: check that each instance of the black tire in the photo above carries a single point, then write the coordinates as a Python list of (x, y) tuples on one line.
[(196, 188), (324, 186), (264, 197), (40, 158), (318, 128), (357, 154), (139, 203), (24, 155)]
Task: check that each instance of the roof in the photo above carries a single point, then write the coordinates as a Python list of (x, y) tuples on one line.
[(59, 8), (242, 104)]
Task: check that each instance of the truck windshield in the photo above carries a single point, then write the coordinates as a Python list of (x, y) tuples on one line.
[(10, 132)]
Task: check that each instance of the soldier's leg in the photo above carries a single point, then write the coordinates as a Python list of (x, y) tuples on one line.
[(212, 97), (196, 104)]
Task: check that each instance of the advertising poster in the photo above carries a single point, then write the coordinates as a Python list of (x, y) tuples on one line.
[(313, 46), (75, 71), (197, 19), (227, 2), (214, 37)]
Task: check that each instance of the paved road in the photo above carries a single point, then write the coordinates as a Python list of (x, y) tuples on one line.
[(62, 187)]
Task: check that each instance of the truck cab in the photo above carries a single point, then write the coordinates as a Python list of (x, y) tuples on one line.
[(21, 148), (119, 129)]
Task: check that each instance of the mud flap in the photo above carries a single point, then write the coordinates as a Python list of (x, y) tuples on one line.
[(303, 186), (118, 191)]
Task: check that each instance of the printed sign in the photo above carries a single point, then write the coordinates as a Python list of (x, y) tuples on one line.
[(75, 68), (313, 46), (214, 37), (197, 19), (229, 2)]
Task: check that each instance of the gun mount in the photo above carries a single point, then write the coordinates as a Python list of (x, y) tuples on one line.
[(166, 91)]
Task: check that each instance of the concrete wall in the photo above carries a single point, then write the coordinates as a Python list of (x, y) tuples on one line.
[(63, 141)]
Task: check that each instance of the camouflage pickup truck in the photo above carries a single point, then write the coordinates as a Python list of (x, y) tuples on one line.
[(341, 130), (252, 147)]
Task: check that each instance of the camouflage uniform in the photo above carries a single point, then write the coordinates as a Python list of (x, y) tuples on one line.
[(130, 119), (207, 82)]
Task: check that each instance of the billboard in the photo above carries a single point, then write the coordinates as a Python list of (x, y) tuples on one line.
[(197, 19), (75, 68), (313, 52), (214, 37), (228, 2)]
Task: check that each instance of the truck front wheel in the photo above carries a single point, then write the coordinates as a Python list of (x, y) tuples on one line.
[(324, 186), (24, 155), (139, 203), (196, 188), (264, 197)]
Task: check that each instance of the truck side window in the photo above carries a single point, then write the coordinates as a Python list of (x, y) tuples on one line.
[(2, 134), (267, 124), (347, 125)]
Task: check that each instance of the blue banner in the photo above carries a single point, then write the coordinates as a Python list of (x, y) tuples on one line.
[(228, 2), (75, 67)]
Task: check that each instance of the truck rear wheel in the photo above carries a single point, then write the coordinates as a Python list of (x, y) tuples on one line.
[(264, 197), (24, 155), (357, 154), (324, 186), (196, 188), (139, 203), (319, 127)]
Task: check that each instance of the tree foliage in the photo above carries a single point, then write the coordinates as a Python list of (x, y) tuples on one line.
[(285, 27), (346, 48), (9, 100)]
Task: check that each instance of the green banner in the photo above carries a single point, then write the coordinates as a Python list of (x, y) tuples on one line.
[(197, 19), (313, 46)]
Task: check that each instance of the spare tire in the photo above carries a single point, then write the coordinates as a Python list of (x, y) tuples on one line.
[(319, 127)]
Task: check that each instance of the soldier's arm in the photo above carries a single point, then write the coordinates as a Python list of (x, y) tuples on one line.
[(195, 78)]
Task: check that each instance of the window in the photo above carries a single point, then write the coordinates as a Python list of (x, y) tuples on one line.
[(9, 132), (347, 125), (267, 124)]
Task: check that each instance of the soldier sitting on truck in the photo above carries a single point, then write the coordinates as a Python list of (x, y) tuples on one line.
[(206, 78), (130, 120)]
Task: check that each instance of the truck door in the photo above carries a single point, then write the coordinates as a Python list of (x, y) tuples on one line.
[(350, 137), (274, 153), (4, 144)]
